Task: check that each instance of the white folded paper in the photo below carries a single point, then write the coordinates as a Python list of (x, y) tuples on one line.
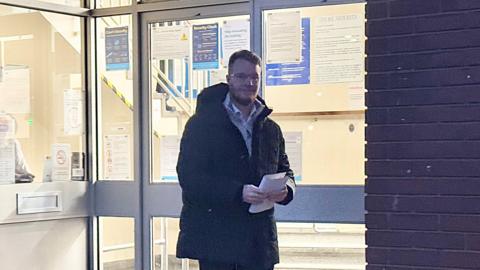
[(269, 183)]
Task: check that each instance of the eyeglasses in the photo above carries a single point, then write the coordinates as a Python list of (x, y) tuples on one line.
[(244, 77)]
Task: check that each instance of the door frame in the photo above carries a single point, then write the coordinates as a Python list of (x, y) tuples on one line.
[(144, 200), (164, 199)]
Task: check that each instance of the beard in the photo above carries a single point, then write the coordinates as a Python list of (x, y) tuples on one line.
[(244, 100)]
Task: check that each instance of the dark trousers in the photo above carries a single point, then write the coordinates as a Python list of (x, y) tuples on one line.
[(207, 265)]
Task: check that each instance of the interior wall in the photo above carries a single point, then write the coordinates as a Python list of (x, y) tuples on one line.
[(44, 245)]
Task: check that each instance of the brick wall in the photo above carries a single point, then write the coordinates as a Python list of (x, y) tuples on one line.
[(423, 134)]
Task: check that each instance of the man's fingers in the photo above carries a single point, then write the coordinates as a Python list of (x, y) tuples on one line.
[(252, 194), (256, 197), (279, 195)]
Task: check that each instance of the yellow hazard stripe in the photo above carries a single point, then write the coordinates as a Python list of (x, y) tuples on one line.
[(117, 92), (122, 97)]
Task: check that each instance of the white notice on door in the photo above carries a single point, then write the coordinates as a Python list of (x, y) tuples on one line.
[(170, 42), (169, 149), (116, 159)]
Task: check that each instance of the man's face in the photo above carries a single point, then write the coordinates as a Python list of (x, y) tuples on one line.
[(243, 80)]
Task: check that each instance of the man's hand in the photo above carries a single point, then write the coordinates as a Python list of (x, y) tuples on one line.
[(278, 196), (252, 194)]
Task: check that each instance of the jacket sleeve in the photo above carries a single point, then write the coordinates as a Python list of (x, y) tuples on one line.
[(284, 166), (199, 185)]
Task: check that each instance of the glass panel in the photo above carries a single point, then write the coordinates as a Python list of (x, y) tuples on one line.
[(42, 109), (115, 97), (185, 57), (112, 3), (301, 245), (72, 3), (165, 234), (314, 79), (117, 244)]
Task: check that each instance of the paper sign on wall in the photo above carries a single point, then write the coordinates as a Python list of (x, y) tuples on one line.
[(235, 37), (338, 45), (356, 97), (284, 37), (291, 74), (61, 160), (170, 42), (293, 148), (15, 91)]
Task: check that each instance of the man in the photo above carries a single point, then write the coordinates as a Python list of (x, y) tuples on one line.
[(226, 149)]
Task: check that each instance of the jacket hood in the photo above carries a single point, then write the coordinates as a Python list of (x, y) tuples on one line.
[(213, 96)]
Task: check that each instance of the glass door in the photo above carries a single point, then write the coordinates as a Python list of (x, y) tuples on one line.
[(185, 51), (313, 79), (44, 136)]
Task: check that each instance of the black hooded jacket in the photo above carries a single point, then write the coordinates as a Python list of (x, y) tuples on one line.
[(213, 167)]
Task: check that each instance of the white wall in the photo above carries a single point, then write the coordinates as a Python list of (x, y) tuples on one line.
[(44, 245)]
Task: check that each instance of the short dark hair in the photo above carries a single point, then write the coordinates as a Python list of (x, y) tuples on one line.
[(245, 55)]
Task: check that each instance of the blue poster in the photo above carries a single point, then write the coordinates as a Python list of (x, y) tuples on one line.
[(116, 48), (205, 46), (289, 74)]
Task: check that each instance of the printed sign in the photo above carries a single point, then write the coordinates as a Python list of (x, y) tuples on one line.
[(235, 37), (170, 42), (61, 159), (116, 48), (205, 46), (117, 162), (289, 74), (284, 37), (169, 149)]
